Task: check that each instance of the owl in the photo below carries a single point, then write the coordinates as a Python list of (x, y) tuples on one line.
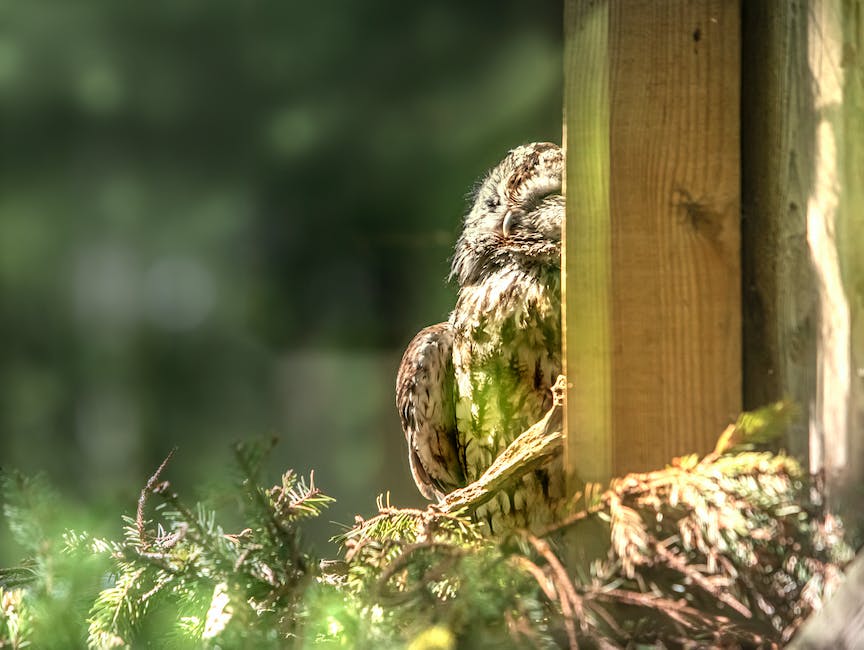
[(466, 388)]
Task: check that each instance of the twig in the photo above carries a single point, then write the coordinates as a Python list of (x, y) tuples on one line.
[(542, 579), (676, 610), (571, 602), (149, 488), (402, 559), (679, 564), (575, 518)]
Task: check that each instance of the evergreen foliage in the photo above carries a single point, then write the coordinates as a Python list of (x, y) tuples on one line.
[(728, 550), (44, 600)]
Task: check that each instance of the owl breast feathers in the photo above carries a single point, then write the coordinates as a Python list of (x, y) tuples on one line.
[(468, 387)]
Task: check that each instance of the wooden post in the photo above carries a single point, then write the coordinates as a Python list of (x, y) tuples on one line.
[(803, 234), (586, 273), (777, 128), (804, 185), (851, 244), (651, 257), (835, 234)]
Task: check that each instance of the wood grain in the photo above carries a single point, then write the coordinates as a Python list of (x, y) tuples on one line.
[(835, 236), (780, 299), (851, 233), (803, 192), (652, 254), (586, 270)]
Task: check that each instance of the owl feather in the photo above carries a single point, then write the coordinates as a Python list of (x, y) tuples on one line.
[(468, 387)]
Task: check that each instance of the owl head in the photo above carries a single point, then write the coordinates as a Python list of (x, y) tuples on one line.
[(516, 217)]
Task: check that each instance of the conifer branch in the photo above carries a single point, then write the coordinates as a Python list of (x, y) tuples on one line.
[(149, 488)]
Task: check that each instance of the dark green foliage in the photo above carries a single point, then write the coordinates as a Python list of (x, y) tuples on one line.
[(177, 580), (727, 550), (241, 589)]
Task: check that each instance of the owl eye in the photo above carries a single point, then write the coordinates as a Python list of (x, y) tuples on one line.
[(492, 203), (537, 197)]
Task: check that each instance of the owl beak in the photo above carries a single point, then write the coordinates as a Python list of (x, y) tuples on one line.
[(507, 224)]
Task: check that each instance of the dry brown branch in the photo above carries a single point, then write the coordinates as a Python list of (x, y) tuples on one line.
[(679, 564), (571, 602)]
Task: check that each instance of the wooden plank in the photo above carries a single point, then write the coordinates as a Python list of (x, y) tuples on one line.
[(803, 189), (780, 301), (675, 208), (851, 237), (835, 234), (586, 278), (652, 237)]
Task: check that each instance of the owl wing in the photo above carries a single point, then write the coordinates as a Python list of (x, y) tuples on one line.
[(424, 399)]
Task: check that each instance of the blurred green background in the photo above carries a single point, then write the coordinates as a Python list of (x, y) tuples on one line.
[(224, 220)]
